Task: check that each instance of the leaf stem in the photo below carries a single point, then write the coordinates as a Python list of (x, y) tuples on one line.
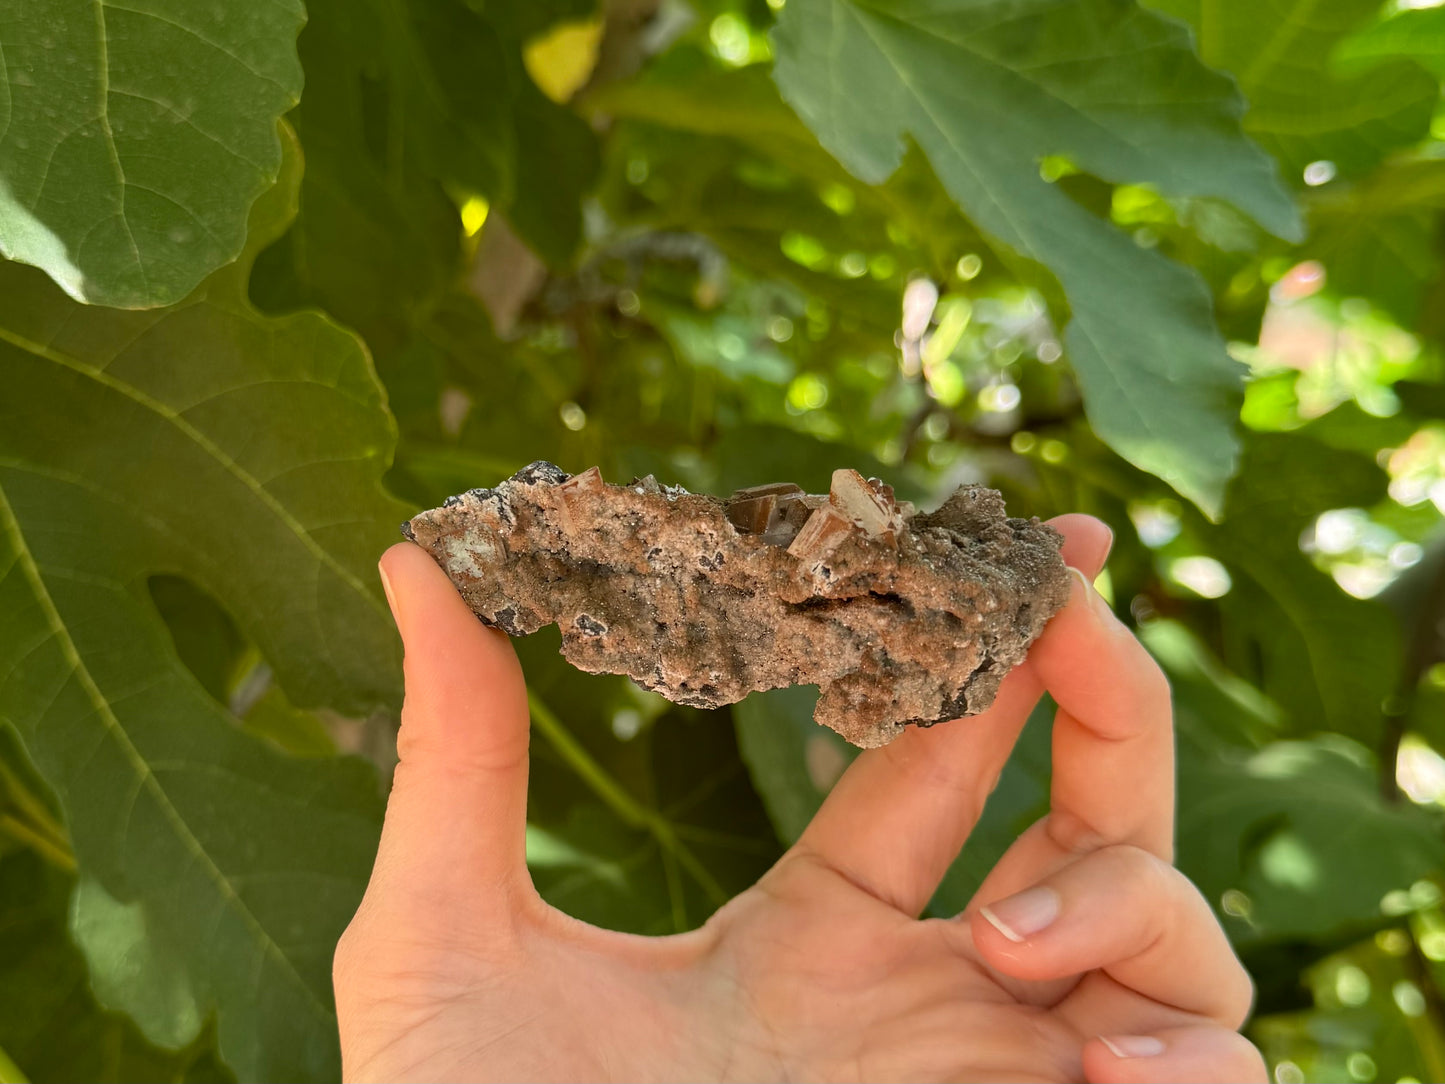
[(616, 798), (690, 863), (580, 761), (56, 854), (32, 824), (674, 891), (726, 840), (35, 810)]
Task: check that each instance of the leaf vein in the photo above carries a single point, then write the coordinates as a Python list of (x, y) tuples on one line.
[(193, 32), (113, 728)]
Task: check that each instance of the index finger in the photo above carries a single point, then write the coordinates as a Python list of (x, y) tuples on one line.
[(1113, 738), (899, 815)]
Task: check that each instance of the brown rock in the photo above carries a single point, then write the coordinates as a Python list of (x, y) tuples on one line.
[(899, 617)]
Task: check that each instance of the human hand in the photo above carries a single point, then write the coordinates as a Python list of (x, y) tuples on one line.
[(454, 968)]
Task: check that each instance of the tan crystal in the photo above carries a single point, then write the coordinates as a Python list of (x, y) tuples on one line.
[(821, 535), (771, 489), (753, 514), (587, 481), (861, 504)]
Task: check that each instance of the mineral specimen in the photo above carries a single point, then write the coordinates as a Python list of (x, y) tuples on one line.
[(900, 617)]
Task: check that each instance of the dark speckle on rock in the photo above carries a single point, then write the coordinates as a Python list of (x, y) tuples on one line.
[(540, 472), (505, 619)]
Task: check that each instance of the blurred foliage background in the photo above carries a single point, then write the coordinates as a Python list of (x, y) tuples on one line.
[(1177, 265)]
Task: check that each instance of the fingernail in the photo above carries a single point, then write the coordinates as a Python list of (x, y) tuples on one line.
[(1100, 609), (1109, 543), (1017, 917), (1132, 1046), (390, 597)]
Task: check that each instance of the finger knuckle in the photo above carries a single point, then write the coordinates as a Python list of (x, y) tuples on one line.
[(1145, 875), (1148, 888), (1246, 1063), (1073, 834), (350, 953), (355, 950), (1239, 1001), (1154, 689)]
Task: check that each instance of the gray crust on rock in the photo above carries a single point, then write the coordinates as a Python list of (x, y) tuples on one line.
[(900, 617)]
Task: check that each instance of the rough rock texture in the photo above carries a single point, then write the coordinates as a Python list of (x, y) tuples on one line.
[(900, 617)]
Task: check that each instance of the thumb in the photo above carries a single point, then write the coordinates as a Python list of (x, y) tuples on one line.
[(456, 821)]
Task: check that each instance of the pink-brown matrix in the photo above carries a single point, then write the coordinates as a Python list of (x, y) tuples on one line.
[(899, 617)]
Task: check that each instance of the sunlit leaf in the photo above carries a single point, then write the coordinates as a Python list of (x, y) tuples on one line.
[(561, 60), (1301, 107), (1414, 33), (50, 1023), (1118, 92), (1288, 839), (1300, 829), (1375, 238), (135, 136)]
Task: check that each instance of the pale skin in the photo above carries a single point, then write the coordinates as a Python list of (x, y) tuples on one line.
[(1084, 956)]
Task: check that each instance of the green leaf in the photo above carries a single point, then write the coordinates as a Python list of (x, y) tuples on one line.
[(1418, 35), (50, 1023), (1300, 108), (1211, 704), (733, 114), (640, 814), (986, 90), (232, 670), (1300, 829), (713, 119), (243, 454), (682, 90), (701, 343), (1328, 659), (205, 637), (1327, 1043), (1376, 237), (405, 100), (135, 136)]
